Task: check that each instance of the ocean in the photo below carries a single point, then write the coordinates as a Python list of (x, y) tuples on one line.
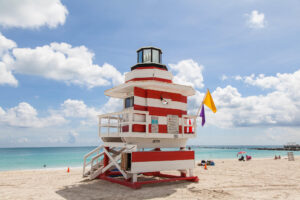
[(63, 157)]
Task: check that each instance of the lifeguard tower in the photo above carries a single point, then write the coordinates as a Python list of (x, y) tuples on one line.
[(149, 135)]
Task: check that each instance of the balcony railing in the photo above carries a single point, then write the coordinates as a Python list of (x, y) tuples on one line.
[(130, 121)]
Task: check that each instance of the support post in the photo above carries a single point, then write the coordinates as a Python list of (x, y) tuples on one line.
[(134, 178), (99, 128), (130, 119), (106, 160), (191, 172)]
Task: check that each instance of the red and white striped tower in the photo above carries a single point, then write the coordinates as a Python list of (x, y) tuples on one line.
[(154, 117)]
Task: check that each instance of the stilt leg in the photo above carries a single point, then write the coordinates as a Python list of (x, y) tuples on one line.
[(134, 178), (106, 160), (191, 172)]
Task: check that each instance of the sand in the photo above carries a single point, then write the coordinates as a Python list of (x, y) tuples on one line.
[(229, 179)]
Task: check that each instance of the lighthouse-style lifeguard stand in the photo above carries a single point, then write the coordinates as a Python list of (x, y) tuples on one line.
[(149, 135)]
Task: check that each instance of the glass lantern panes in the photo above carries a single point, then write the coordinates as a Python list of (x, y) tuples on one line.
[(147, 56), (140, 57), (155, 56)]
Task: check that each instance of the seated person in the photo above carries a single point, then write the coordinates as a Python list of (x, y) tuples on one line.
[(275, 158), (202, 163), (242, 158), (279, 157)]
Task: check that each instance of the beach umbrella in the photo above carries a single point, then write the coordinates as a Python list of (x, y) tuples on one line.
[(241, 152)]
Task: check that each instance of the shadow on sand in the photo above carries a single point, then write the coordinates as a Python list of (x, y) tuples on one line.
[(100, 189)]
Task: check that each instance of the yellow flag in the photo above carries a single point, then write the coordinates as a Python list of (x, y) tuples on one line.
[(209, 102)]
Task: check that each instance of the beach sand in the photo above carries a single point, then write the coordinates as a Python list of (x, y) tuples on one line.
[(229, 179)]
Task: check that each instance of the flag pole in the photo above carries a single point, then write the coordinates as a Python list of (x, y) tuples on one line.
[(201, 104)]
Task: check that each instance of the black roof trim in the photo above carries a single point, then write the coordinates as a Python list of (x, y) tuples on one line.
[(149, 47), (149, 65)]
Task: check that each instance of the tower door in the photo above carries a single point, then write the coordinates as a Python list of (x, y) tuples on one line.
[(173, 124)]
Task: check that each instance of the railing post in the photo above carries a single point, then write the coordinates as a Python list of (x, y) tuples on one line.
[(119, 127), (147, 123), (182, 125), (84, 164), (130, 116), (108, 127), (195, 125), (99, 126)]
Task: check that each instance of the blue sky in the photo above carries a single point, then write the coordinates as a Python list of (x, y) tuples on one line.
[(58, 57)]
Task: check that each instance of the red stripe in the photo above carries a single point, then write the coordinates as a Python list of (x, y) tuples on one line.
[(154, 94), (150, 68), (150, 78), (140, 92), (138, 128), (138, 107), (148, 156)]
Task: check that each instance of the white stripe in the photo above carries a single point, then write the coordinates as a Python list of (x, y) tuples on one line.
[(162, 120), (137, 167), (146, 73), (157, 103), (139, 118)]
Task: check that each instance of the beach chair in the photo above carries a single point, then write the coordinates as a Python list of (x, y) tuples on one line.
[(291, 156)]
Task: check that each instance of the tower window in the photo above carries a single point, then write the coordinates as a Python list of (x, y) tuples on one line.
[(129, 102)]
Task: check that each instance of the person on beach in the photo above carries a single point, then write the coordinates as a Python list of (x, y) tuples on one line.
[(275, 158), (242, 158)]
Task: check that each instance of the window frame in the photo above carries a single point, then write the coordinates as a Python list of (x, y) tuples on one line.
[(131, 102)]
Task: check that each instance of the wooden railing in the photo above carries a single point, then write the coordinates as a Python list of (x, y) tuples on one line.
[(118, 123)]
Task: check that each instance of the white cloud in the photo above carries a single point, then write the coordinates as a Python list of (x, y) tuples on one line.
[(62, 62), (72, 137), (188, 72), (273, 109), (279, 107), (6, 76), (24, 115), (282, 82), (32, 13), (256, 20), (88, 115), (238, 78), (78, 109), (281, 135), (23, 140), (5, 44), (224, 77), (57, 61)]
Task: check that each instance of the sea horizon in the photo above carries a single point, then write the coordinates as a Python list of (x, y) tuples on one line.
[(27, 158)]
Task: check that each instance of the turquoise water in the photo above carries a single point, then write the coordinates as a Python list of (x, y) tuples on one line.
[(62, 157)]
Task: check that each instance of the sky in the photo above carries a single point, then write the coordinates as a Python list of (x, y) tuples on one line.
[(58, 57)]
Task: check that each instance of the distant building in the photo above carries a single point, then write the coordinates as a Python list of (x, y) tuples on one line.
[(292, 146)]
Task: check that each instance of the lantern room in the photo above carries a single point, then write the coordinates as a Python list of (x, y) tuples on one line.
[(149, 55)]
